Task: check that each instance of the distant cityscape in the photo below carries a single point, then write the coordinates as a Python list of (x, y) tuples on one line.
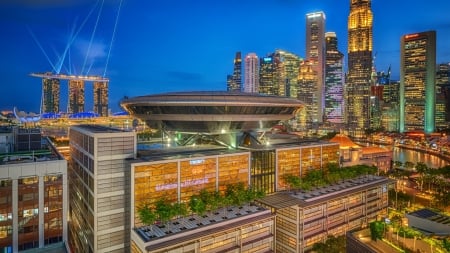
[(296, 155)]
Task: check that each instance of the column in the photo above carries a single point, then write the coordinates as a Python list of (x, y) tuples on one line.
[(15, 210), (41, 210)]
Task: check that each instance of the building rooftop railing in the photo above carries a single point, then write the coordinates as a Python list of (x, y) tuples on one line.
[(194, 222)]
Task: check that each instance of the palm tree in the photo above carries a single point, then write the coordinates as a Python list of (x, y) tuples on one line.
[(421, 168)]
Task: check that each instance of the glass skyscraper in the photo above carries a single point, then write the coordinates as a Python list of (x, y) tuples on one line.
[(334, 80), (359, 66), (417, 82), (234, 81), (315, 54), (287, 68), (267, 76)]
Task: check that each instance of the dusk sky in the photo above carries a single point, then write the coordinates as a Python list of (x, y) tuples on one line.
[(180, 45)]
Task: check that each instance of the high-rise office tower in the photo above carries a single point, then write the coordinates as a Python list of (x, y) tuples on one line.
[(101, 98), (278, 74), (50, 95), (359, 66), (286, 73), (334, 80), (443, 95), (315, 54), (417, 82), (267, 76), (251, 75), (99, 203), (234, 82), (76, 96), (307, 92)]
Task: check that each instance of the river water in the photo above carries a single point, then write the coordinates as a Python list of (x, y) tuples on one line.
[(403, 155)]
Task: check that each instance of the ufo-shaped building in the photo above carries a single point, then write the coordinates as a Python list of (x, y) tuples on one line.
[(211, 112)]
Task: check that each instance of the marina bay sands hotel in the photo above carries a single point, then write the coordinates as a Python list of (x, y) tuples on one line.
[(50, 100)]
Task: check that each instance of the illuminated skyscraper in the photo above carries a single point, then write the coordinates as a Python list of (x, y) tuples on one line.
[(417, 82), (267, 76), (315, 54), (50, 95), (307, 93), (334, 80), (286, 73), (101, 98), (76, 96), (443, 96), (359, 66), (234, 81), (251, 75)]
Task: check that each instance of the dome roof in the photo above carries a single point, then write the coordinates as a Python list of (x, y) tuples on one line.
[(344, 141)]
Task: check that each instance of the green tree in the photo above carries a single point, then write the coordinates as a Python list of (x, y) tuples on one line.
[(147, 215), (197, 205), (376, 230), (422, 169), (293, 182), (164, 210), (398, 164), (331, 245)]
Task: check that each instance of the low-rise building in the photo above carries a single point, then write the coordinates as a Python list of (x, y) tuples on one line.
[(429, 222), (307, 217)]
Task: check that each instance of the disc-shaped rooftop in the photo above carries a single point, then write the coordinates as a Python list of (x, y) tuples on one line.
[(211, 112)]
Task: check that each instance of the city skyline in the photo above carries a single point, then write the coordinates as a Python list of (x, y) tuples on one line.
[(160, 48)]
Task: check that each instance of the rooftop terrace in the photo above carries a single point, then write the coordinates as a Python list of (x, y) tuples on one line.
[(199, 224), (306, 198)]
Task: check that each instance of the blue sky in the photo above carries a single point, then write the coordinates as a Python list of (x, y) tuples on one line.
[(180, 45)]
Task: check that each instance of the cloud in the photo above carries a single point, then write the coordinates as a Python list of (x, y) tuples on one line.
[(184, 76), (93, 51)]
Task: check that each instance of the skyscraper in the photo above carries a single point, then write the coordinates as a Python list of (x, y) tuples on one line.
[(334, 80), (267, 76), (101, 98), (251, 75), (315, 54), (50, 95), (234, 82), (76, 96), (417, 82), (359, 66), (307, 92), (286, 73), (443, 96)]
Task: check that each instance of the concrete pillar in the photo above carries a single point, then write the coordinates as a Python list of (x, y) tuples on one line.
[(15, 213)]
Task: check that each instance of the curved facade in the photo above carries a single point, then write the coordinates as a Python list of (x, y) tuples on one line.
[(211, 112)]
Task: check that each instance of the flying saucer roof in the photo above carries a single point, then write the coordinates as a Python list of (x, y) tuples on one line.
[(211, 112)]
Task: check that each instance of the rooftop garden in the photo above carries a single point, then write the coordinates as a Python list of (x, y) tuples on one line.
[(331, 175), (164, 218)]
